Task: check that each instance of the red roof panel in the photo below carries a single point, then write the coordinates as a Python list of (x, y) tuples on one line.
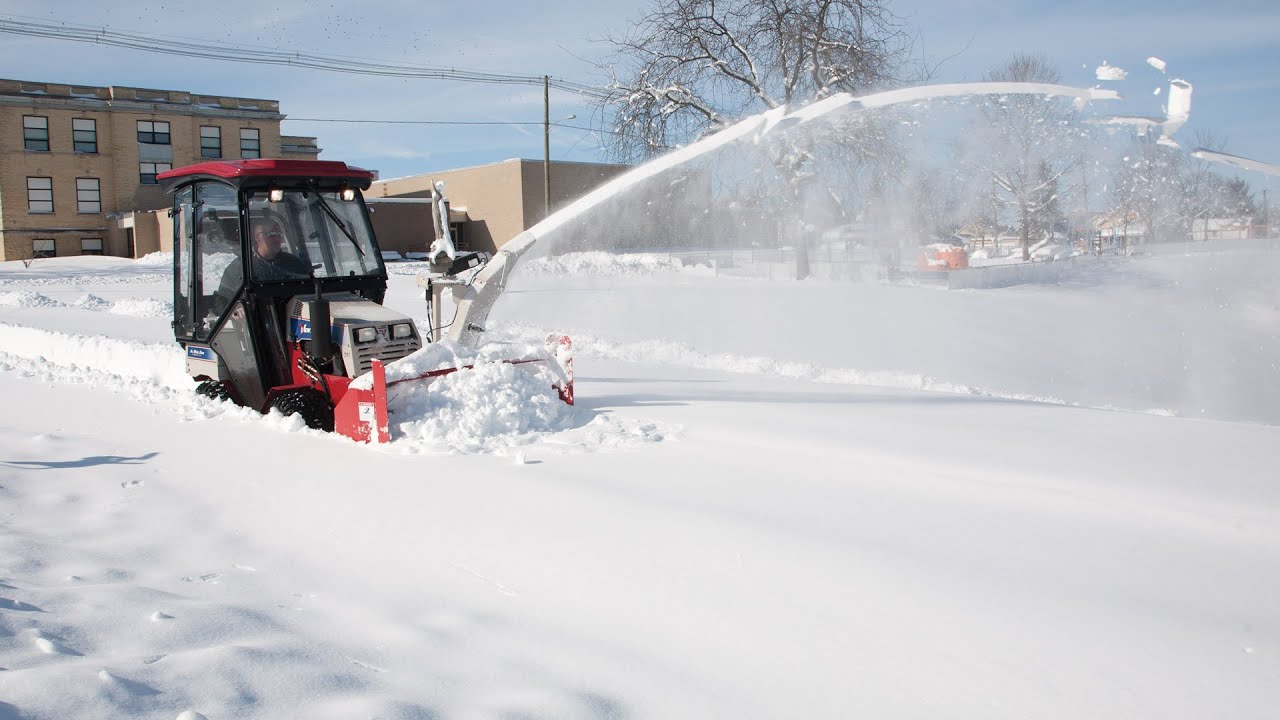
[(268, 168)]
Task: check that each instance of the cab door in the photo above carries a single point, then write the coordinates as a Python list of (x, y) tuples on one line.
[(209, 302)]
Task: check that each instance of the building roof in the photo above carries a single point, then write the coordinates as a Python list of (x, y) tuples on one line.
[(122, 97)]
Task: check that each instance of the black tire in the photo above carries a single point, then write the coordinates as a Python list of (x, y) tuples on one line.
[(310, 405), (213, 390)]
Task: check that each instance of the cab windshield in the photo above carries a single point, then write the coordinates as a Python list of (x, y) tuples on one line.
[(308, 234)]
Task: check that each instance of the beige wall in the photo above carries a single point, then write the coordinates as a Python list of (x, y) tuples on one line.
[(503, 199), (490, 194), (153, 232), (404, 228), (116, 111)]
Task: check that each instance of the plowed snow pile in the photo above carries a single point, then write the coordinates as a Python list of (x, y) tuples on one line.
[(487, 405)]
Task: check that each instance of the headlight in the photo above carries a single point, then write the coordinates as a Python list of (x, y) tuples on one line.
[(366, 334), (401, 331)]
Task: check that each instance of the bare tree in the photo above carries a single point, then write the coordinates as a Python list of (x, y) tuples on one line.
[(1148, 185), (689, 67), (1199, 187), (1032, 145)]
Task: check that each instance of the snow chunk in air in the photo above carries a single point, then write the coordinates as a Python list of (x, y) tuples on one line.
[(1110, 72), (1157, 63)]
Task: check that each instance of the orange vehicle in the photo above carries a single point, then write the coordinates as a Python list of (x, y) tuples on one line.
[(940, 257)]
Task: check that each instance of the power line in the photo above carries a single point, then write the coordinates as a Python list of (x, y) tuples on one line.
[(230, 52), (445, 122)]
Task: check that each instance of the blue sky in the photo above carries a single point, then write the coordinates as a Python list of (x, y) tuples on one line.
[(1229, 51)]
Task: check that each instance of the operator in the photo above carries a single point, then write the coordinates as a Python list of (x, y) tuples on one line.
[(268, 260)]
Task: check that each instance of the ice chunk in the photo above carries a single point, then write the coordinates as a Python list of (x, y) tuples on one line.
[(1110, 72)]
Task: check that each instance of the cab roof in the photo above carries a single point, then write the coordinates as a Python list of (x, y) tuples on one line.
[(266, 169)]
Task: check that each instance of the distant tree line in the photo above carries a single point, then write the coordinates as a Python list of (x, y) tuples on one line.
[(687, 68)]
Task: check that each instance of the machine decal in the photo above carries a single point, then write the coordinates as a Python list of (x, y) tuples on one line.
[(300, 329)]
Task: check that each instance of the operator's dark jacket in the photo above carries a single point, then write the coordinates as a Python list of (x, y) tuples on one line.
[(284, 266)]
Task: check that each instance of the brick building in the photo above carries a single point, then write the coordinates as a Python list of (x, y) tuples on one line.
[(77, 163)]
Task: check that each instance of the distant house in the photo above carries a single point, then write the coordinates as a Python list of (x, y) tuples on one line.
[(976, 234), (1118, 228), (1227, 229)]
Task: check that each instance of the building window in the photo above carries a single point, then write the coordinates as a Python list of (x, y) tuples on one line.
[(210, 141), (43, 248), (84, 135), (249, 145), (153, 132), (88, 195), (91, 246), (147, 171), (39, 195), (35, 133)]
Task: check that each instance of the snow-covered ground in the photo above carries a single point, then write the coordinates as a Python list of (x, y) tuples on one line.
[(772, 500)]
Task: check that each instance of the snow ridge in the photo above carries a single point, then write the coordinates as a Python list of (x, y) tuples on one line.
[(490, 409), (136, 307), (679, 354)]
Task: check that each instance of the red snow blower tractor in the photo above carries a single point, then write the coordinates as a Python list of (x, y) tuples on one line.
[(278, 289)]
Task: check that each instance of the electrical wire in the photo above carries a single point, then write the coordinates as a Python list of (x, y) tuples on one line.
[(447, 122), (231, 52)]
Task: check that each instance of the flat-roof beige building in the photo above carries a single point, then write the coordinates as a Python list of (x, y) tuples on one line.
[(489, 204), (77, 162)]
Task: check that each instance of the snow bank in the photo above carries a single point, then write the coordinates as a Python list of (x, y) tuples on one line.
[(26, 299), (73, 358), (136, 307), (156, 259), (679, 354), (142, 307), (603, 264)]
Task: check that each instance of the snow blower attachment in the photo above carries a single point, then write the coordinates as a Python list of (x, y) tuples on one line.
[(278, 288)]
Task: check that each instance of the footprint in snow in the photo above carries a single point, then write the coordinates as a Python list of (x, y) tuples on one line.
[(7, 604)]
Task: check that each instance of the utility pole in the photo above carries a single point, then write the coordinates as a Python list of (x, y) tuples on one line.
[(546, 142)]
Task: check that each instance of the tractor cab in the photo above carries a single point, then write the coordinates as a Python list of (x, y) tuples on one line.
[(278, 283)]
